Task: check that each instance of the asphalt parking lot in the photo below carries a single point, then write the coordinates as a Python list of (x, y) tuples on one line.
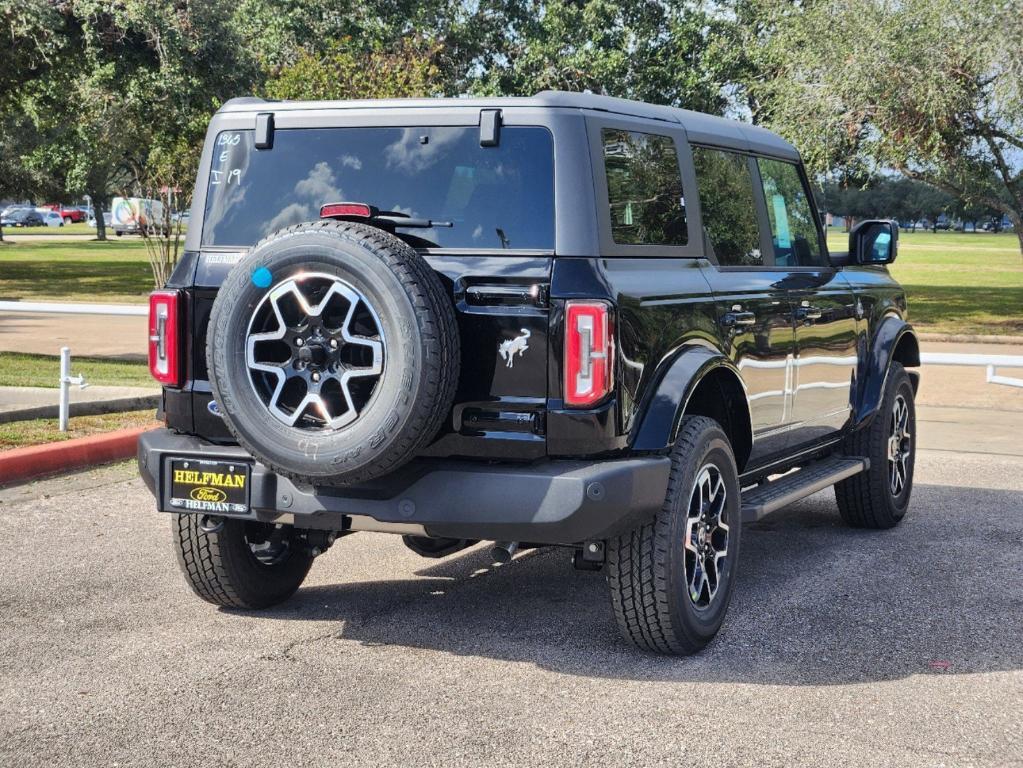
[(842, 647)]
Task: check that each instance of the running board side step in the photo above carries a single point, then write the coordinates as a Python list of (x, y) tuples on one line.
[(775, 494)]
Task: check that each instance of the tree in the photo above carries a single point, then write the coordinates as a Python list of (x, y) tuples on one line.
[(673, 53), (124, 81), (406, 69), (931, 88)]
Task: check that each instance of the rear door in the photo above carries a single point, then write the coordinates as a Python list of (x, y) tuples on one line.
[(752, 295), (492, 241), (824, 307)]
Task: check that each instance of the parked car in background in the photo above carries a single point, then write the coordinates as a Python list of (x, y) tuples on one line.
[(136, 215), (69, 214), (22, 217), (107, 219), (51, 218)]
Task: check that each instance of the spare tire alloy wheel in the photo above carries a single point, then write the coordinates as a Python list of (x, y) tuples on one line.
[(319, 364), (333, 352)]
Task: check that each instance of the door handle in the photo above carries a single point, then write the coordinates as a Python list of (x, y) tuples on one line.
[(739, 318), (809, 313)]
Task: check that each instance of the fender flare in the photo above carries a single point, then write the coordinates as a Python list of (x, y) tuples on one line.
[(894, 339), (665, 404)]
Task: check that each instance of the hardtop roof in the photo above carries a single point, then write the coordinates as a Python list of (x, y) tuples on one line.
[(701, 127)]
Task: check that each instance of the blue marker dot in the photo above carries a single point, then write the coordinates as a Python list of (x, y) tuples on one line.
[(261, 278)]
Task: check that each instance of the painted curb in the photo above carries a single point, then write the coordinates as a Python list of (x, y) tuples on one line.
[(34, 461)]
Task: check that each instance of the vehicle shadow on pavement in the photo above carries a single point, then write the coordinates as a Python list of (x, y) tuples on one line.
[(817, 603)]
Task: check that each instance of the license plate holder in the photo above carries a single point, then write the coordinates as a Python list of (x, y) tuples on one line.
[(208, 486)]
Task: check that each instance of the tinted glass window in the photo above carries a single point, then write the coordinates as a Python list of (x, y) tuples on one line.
[(644, 188), (729, 211), (793, 229), (495, 197)]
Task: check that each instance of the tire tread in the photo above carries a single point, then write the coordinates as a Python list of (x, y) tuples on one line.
[(638, 564)]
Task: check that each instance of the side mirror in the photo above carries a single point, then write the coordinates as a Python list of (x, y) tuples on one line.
[(875, 241)]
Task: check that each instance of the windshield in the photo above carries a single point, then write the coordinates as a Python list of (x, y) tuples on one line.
[(495, 197)]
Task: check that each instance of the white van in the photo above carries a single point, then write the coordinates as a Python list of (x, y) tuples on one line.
[(136, 215)]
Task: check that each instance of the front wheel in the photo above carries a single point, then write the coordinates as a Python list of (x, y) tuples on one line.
[(879, 497), (241, 564), (671, 579)]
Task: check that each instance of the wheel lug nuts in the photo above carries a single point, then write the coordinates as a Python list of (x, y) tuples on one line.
[(299, 342), (333, 343), (316, 377)]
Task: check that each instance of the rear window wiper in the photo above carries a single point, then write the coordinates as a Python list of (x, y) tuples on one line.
[(373, 215)]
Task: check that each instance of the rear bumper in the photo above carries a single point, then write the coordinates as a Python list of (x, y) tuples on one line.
[(547, 502)]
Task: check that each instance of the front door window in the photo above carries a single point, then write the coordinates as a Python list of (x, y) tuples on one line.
[(793, 227)]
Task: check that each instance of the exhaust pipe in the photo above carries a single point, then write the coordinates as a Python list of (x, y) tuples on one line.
[(504, 551)]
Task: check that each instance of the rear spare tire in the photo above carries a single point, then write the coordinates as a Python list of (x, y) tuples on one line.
[(333, 352)]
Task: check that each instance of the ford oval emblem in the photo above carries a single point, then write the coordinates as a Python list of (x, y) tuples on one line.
[(211, 406)]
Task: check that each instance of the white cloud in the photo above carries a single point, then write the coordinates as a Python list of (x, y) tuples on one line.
[(319, 186), (292, 214), (351, 161), (409, 155)]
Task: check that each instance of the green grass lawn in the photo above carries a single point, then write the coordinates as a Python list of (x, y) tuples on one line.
[(23, 370), (116, 271), (961, 283), (957, 282)]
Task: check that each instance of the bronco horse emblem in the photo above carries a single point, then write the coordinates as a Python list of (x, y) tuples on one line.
[(508, 349)]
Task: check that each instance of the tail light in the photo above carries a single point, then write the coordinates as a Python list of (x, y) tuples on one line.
[(588, 352), (164, 361)]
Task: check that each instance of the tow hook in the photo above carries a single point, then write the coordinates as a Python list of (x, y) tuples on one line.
[(318, 542), (211, 523), (590, 557)]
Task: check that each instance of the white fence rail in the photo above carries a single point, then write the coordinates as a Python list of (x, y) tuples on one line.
[(991, 362), (48, 308)]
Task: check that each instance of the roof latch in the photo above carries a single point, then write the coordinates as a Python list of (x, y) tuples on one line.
[(490, 127), (265, 130)]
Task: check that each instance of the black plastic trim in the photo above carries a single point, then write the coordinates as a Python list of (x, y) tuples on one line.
[(547, 502)]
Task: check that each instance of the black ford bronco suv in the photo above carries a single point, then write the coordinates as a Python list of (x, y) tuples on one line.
[(562, 320)]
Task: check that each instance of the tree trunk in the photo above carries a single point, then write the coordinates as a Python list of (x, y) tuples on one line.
[(97, 211), (1016, 221)]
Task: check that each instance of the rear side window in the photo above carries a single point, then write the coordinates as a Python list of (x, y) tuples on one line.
[(793, 229), (729, 212), (494, 197), (644, 189)]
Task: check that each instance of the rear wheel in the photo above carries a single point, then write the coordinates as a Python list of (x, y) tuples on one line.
[(879, 497), (671, 579), (241, 564)]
